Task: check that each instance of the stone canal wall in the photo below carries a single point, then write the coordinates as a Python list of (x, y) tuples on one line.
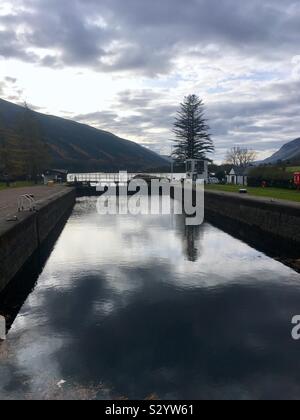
[(278, 219), (21, 239)]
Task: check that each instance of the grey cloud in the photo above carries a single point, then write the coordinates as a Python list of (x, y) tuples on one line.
[(144, 36), (261, 125), (9, 89), (12, 80), (11, 47), (59, 27), (147, 113), (2, 86)]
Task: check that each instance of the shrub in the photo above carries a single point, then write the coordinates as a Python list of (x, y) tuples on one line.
[(273, 176)]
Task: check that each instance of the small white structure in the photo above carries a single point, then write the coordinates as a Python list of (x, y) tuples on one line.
[(238, 176), (58, 176), (196, 170)]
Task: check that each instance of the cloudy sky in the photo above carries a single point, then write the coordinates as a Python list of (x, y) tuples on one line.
[(125, 65)]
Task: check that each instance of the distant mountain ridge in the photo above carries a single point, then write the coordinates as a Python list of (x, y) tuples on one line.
[(79, 147), (289, 152)]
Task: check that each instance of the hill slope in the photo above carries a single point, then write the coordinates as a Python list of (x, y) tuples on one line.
[(79, 147), (288, 152)]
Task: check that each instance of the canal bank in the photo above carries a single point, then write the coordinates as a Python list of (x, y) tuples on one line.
[(21, 238), (274, 224)]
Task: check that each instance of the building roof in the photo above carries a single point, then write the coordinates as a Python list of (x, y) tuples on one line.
[(239, 171), (57, 171)]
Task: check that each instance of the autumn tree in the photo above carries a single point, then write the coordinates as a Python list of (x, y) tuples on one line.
[(12, 163), (35, 150), (240, 157), (191, 131)]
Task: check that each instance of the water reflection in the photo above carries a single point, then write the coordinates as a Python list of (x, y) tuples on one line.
[(134, 306), (192, 238), (16, 293)]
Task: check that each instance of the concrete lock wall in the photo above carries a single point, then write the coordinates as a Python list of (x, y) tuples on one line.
[(277, 218), (20, 241)]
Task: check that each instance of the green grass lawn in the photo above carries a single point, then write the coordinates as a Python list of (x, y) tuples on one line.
[(293, 169), (276, 193), (17, 184)]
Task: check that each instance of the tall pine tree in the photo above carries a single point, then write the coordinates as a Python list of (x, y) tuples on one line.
[(191, 130)]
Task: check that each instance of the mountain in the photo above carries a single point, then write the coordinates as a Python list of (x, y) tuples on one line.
[(289, 152), (167, 158), (79, 147)]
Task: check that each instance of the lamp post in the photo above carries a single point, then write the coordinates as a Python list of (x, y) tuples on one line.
[(172, 161)]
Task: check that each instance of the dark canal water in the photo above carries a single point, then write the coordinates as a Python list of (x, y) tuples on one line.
[(141, 307)]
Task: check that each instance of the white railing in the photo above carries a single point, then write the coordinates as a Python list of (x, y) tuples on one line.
[(98, 177), (117, 177), (26, 202)]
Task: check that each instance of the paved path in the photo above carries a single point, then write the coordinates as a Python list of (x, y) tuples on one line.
[(9, 197)]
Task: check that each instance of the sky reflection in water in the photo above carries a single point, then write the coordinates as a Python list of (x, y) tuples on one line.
[(140, 306)]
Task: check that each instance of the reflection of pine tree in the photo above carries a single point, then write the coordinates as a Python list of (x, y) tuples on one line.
[(35, 150), (192, 238)]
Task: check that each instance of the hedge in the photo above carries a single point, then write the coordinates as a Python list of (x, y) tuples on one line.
[(273, 176)]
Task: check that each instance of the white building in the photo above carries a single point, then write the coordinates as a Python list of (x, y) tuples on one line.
[(238, 176), (55, 175)]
